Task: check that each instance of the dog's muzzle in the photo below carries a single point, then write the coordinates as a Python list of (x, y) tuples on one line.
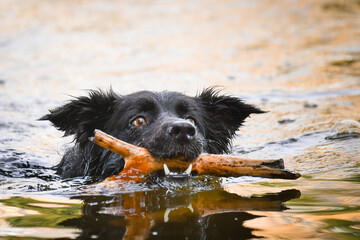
[(182, 131)]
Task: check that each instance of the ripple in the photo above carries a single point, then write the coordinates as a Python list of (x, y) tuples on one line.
[(303, 209), (345, 129)]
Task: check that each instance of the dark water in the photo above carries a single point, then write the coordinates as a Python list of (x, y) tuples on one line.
[(298, 60), (153, 214)]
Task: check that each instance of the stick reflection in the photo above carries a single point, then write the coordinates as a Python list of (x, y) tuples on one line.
[(211, 214)]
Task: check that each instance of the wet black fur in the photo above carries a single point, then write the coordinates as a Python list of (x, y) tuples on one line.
[(217, 117)]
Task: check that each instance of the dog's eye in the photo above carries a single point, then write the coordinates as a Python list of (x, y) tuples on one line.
[(192, 120), (139, 121)]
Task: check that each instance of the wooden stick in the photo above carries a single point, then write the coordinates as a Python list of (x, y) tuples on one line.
[(139, 160)]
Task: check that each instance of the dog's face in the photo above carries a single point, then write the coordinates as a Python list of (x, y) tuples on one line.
[(168, 124)]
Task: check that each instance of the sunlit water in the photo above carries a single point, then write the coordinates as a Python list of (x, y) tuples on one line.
[(299, 60)]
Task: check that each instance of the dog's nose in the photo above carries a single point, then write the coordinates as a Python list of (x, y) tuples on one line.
[(182, 130)]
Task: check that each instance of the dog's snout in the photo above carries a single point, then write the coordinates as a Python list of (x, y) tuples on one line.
[(182, 130)]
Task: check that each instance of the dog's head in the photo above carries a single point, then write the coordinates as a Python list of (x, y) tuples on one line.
[(168, 124)]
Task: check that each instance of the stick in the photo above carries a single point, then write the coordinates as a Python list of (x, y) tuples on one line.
[(141, 160)]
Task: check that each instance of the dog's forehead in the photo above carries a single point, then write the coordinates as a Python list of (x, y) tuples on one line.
[(165, 99)]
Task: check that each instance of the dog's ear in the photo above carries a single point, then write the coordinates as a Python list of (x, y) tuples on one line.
[(223, 116), (82, 115)]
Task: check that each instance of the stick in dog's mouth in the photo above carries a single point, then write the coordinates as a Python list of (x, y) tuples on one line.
[(140, 160)]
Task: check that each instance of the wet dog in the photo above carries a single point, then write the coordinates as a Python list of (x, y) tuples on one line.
[(168, 124)]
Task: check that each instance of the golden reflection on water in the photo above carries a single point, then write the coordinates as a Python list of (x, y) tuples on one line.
[(141, 214), (275, 210), (331, 210), (26, 217)]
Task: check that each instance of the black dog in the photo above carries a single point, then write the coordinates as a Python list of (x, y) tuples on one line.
[(168, 124)]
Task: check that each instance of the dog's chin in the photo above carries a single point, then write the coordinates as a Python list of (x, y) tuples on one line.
[(185, 153), (178, 155)]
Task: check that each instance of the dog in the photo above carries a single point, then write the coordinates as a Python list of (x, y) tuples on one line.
[(169, 124)]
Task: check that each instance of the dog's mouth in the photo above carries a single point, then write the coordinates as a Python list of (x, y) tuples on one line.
[(177, 175), (186, 154)]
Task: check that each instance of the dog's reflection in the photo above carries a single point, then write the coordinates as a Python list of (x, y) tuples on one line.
[(214, 214)]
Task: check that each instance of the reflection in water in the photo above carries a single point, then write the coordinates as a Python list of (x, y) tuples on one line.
[(214, 214), (27, 217)]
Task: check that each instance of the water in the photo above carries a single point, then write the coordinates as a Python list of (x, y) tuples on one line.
[(298, 60)]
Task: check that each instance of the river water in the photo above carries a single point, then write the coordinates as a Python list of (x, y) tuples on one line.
[(298, 60)]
